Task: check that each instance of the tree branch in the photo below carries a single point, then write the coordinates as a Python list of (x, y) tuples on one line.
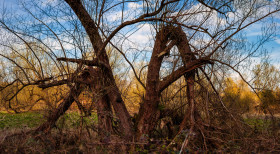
[(94, 62), (133, 69), (139, 19), (52, 84), (181, 71)]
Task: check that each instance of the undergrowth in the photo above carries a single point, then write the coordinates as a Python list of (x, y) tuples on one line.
[(76, 134)]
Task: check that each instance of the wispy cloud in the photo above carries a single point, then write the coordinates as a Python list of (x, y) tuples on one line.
[(277, 40), (134, 5)]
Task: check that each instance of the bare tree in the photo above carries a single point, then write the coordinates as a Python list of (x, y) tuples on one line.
[(195, 37)]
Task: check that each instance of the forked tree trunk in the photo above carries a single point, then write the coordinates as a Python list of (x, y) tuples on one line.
[(149, 114), (187, 56)]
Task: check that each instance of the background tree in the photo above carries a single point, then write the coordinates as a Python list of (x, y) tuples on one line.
[(266, 82)]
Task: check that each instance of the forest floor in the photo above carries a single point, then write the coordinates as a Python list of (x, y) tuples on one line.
[(71, 135), (34, 119), (10, 121)]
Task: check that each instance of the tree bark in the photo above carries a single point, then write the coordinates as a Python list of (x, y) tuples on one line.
[(189, 115), (112, 91), (149, 113), (187, 56), (104, 110)]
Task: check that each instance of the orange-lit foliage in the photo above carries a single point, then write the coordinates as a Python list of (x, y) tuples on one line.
[(238, 96)]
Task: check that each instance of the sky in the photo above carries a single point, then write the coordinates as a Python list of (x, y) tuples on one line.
[(252, 32)]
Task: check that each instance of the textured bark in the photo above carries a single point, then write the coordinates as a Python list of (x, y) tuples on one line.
[(104, 113), (111, 89), (189, 115), (149, 113), (104, 110), (187, 57)]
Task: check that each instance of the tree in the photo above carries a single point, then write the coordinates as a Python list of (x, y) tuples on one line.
[(266, 83), (266, 76), (238, 97), (192, 39)]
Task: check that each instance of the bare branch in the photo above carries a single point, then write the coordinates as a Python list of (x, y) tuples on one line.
[(228, 65), (94, 62), (181, 71), (52, 84), (26, 76), (139, 19), (132, 67), (239, 29)]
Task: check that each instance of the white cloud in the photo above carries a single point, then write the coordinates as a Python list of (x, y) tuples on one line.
[(134, 5), (142, 36), (54, 43), (114, 16), (277, 40), (128, 14)]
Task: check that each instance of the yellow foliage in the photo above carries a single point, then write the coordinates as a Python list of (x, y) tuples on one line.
[(238, 96)]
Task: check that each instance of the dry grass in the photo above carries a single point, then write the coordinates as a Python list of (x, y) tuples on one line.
[(260, 136), (77, 141)]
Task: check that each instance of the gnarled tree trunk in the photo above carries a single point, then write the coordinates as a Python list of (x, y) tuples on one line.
[(111, 89), (187, 56), (103, 107), (149, 113)]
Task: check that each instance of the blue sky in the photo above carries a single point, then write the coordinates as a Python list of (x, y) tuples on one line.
[(252, 32)]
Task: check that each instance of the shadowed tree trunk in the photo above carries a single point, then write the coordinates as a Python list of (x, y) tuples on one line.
[(189, 115), (104, 110), (111, 90), (104, 114), (111, 93), (187, 56), (149, 113), (73, 94)]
